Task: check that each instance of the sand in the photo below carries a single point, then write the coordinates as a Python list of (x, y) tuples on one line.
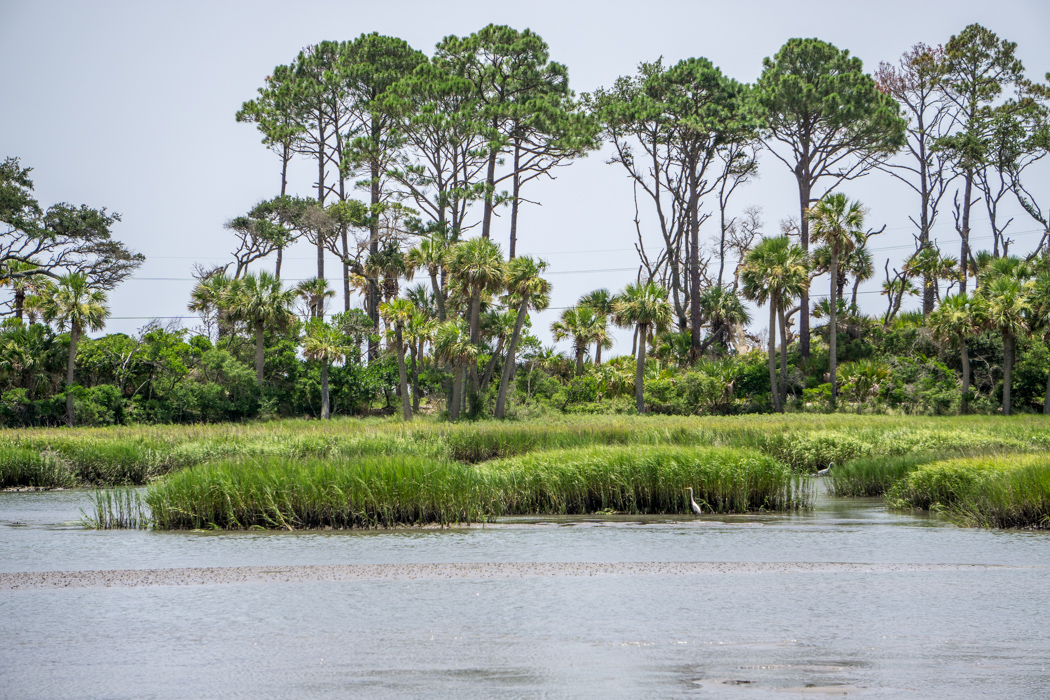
[(206, 576)]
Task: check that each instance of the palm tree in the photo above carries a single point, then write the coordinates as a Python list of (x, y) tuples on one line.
[(1041, 317), (528, 289), (325, 344), (957, 318), (211, 296), (601, 300), (775, 271), (723, 311), (478, 268), (645, 306), (452, 343), (430, 254), (315, 292), (74, 304), (1008, 300), (259, 300), (584, 326), (839, 223), (399, 312)]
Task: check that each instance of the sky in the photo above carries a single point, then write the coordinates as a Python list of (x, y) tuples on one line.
[(130, 106)]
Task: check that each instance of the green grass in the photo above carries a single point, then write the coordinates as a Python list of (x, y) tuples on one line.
[(806, 442), (1005, 491), (278, 493)]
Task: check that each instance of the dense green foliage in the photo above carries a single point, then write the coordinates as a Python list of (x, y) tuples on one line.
[(409, 490)]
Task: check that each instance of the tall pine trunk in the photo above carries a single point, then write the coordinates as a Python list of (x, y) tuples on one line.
[(783, 354)]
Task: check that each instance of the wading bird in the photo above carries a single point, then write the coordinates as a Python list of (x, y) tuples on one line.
[(694, 504), (824, 471)]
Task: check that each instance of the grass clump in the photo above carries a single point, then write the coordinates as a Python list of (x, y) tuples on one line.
[(290, 494), (118, 509), (29, 468), (1007, 491)]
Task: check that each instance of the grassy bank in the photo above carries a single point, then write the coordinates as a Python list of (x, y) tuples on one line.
[(280, 493), (1006, 491), (140, 454)]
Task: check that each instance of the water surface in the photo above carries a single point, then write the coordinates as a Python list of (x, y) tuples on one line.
[(891, 631)]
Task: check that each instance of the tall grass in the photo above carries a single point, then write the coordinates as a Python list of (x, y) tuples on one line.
[(118, 509), (997, 491), (279, 493)]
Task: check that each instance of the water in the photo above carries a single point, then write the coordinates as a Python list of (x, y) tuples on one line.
[(893, 631)]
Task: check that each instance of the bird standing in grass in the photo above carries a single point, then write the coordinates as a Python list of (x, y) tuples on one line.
[(694, 504), (824, 472)]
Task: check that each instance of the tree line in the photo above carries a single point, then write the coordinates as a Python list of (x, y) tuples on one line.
[(414, 155)]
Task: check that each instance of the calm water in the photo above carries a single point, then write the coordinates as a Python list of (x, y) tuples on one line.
[(943, 634)]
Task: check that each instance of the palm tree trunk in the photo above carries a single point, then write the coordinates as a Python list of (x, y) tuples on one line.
[(639, 370), (1046, 400), (579, 359), (1008, 369), (774, 390), (457, 388), (964, 404), (415, 378), (598, 354), (259, 357), (325, 409), (74, 338), (508, 365), (833, 327), (783, 354), (402, 375), (439, 298)]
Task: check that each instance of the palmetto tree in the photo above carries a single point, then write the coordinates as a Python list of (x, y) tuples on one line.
[(452, 343), (259, 300), (211, 297), (399, 313), (526, 289), (723, 310), (645, 306), (775, 271), (1009, 304), (957, 318), (21, 278), (315, 292), (73, 304), (584, 326), (326, 345), (478, 268), (430, 254), (839, 223), (601, 300)]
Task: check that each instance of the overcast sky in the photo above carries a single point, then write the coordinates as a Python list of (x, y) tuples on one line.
[(130, 105)]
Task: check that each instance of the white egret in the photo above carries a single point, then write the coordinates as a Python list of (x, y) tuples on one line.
[(694, 504), (823, 472)]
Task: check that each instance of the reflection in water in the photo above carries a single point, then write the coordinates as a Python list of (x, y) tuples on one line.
[(892, 632)]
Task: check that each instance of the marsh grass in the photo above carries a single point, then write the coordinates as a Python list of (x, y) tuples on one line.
[(30, 468), (278, 493), (805, 442), (118, 509), (1007, 491)]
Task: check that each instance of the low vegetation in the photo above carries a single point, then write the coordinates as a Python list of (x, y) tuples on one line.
[(280, 493)]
